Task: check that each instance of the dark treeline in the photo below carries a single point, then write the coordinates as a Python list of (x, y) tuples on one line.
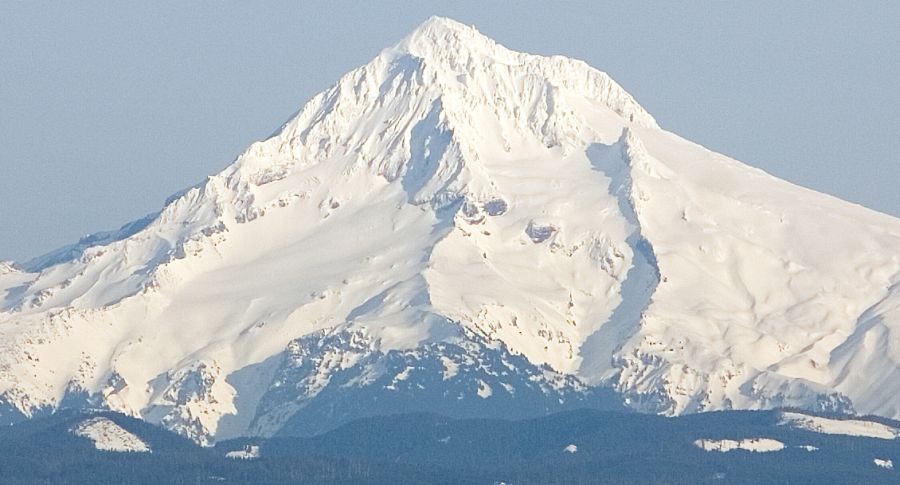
[(430, 449)]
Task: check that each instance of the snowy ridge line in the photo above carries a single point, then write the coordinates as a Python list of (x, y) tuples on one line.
[(7, 267)]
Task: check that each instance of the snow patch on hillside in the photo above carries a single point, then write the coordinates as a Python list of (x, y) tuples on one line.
[(109, 436), (484, 390), (250, 452), (849, 427), (757, 445)]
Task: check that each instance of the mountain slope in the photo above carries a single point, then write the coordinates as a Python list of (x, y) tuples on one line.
[(460, 220)]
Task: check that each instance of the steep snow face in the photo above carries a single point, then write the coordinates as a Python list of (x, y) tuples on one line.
[(456, 203), (109, 436)]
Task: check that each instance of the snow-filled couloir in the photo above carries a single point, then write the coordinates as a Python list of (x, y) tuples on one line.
[(454, 225)]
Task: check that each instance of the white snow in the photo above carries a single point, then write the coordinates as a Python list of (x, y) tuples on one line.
[(888, 464), (484, 389), (451, 368), (109, 436), (571, 448), (402, 376), (250, 452), (7, 267), (758, 445), (454, 184), (849, 427)]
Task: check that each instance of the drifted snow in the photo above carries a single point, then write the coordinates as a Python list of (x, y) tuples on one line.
[(849, 427), (453, 187), (109, 436), (759, 445)]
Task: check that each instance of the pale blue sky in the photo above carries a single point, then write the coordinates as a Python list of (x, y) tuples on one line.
[(106, 109)]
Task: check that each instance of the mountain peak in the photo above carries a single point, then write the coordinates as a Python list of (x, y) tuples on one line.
[(457, 53), (443, 34), (440, 26)]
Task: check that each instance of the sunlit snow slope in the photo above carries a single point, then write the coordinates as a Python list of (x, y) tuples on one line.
[(109, 436), (465, 220)]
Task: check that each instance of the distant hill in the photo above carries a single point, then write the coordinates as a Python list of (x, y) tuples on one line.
[(578, 447)]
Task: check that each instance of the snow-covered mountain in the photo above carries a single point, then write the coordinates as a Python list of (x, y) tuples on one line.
[(462, 227)]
